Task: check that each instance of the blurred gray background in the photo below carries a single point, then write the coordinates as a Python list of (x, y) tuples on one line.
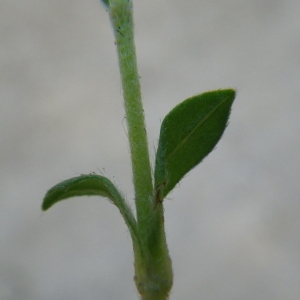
[(233, 224)]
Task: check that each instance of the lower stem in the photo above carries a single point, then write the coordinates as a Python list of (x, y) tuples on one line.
[(153, 273)]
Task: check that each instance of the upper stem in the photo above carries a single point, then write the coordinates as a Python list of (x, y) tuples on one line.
[(122, 22)]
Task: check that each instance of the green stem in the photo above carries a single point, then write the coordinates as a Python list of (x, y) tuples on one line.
[(122, 22), (153, 268)]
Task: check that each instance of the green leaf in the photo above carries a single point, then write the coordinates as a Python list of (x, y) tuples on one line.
[(188, 133), (84, 185), (91, 185)]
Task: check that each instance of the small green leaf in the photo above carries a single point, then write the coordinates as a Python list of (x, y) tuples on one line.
[(188, 133), (92, 185), (84, 185)]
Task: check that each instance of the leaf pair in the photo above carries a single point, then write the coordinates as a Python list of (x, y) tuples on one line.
[(188, 133)]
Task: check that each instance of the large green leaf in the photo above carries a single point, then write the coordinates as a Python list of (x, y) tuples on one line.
[(188, 133)]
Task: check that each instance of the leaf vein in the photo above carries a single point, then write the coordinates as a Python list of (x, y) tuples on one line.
[(195, 128)]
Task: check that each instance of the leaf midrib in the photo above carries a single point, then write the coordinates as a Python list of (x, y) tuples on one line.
[(195, 128)]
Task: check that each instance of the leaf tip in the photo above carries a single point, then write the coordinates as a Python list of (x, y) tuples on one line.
[(228, 93), (46, 204)]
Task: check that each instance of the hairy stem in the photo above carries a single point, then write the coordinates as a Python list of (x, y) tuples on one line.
[(122, 22), (153, 268)]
